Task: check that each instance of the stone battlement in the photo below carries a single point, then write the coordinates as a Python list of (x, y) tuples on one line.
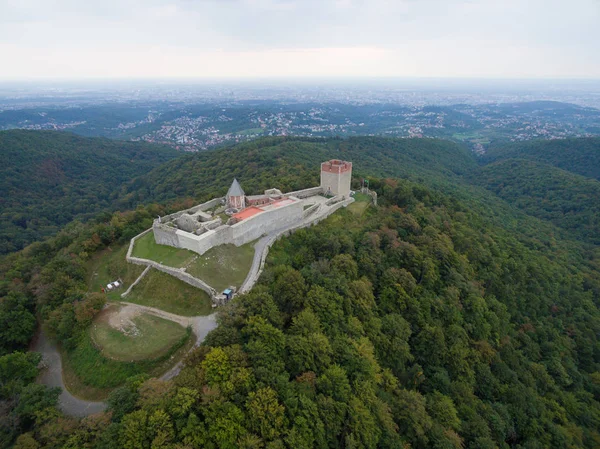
[(336, 166)]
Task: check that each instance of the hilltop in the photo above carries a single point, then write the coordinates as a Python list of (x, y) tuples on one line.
[(49, 178)]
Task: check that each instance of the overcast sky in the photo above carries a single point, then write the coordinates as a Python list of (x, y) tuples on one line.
[(299, 38)]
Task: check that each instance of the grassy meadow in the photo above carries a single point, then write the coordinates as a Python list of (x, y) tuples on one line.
[(163, 291), (220, 267), (150, 338)]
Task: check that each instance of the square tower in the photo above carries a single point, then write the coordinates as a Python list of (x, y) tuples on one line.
[(335, 177)]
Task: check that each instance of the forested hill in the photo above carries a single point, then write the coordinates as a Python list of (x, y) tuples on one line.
[(294, 162), (581, 155), (49, 178), (435, 320), (564, 199), (413, 324), (568, 200)]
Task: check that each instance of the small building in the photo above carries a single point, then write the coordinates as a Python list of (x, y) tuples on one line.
[(236, 198)]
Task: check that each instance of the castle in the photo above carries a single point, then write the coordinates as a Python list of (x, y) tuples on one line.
[(239, 218)]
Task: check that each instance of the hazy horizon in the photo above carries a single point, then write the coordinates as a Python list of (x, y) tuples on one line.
[(309, 39)]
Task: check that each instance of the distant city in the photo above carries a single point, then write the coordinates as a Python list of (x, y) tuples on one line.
[(194, 117)]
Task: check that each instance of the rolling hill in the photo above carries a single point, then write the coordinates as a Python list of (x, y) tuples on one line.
[(580, 156), (292, 163), (462, 312), (568, 200), (49, 178)]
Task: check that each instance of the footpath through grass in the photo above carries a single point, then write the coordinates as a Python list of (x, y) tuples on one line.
[(164, 292), (149, 337), (109, 265), (220, 267)]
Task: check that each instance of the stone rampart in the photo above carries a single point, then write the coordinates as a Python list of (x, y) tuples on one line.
[(265, 222), (164, 234), (319, 218), (238, 234), (136, 282), (334, 200), (305, 193), (176, 272), (311, 209), (200, 207), (179, 273), (203, 242)]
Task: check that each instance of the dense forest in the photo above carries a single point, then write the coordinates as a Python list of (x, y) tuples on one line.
[(566, 199), (581, 156), (290, 163), (443, 318), (49, 178)]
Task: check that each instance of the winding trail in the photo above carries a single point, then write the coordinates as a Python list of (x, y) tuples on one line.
[(52, 376)]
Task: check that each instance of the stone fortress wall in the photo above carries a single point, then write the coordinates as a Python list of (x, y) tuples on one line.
[(238, 234), (269, 216), (197, 231), (178, 273), (266, 222), (199, 208), (306, 193)]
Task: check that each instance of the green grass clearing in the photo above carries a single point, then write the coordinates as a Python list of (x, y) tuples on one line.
[(220, 267), (89, 375), (160, 290), (223, 265), (360, 204), (109, 265), (147, 248), (144, 337)]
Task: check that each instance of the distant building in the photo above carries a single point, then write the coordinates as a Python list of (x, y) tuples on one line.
[(335, 177), (235, 196)]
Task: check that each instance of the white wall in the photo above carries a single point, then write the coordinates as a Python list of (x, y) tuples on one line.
[(338, 183), (239, 234), (270, 220)]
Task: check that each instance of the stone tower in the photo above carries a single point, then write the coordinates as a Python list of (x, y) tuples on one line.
[(235, 196), (335, 177)]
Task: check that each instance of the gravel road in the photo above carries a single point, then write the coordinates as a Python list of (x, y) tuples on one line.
[(52, 376), (73, 406)]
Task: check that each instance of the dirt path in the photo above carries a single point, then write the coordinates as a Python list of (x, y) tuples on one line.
[(52, 375)]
